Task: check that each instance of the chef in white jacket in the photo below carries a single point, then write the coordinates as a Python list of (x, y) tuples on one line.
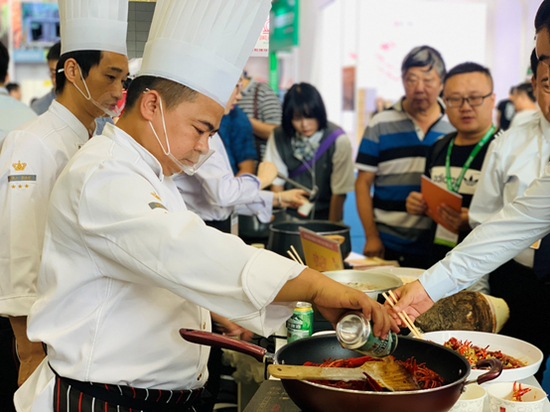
[(218, 196), (91, 70), (125, 265)]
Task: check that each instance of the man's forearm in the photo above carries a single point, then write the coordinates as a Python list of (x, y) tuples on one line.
[(365, 209), (248, 166), (261, 129), (336, 211)]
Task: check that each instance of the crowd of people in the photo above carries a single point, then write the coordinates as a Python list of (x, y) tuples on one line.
[(83, 199)]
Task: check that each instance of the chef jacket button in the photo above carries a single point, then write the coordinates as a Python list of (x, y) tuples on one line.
[(204, 325), (199, 377)]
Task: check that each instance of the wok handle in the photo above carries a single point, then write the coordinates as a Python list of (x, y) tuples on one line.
[(493, 373), (220, 341)]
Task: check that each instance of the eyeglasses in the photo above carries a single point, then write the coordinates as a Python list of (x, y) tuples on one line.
[(473, 101)]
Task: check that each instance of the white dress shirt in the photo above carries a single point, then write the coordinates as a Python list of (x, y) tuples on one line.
[(126, 265), (214, 191), (513, 161), (521, 223), (13, 113), (522, 117), (31, 159)]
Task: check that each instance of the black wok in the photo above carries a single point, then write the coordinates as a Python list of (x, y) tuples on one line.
[(286, 234), (318, 398)]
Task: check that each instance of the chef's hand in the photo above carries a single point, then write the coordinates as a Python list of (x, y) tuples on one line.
[(374, 247), (415, 204), (227, 327), (457, 221), (290, 198), (411, 298), (334, 300), (267, 172)]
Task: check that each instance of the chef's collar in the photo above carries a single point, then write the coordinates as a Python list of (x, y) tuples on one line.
[(545, 126), (120, 136), (71, 120)]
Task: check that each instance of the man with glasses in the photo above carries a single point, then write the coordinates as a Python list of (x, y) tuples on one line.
[(392, 158), (454, 162)]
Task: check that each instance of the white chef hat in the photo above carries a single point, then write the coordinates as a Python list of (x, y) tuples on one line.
[(93, 25), (203, 44)]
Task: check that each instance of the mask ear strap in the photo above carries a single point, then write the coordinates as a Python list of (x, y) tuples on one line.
[(166, 152), (89, 97)]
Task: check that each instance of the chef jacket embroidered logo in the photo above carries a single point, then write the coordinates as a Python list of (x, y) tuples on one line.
[(156, 196), (21, 179), (155, 205), (19, 167)]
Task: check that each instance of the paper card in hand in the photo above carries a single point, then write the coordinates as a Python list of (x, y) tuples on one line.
[(321, 254), (435, 196)]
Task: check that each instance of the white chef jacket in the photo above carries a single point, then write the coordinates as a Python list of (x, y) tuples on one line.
[(31, 159), (513, 161), (214, 191), (126, 265), (522, 117), (13, 113), (522, 222)]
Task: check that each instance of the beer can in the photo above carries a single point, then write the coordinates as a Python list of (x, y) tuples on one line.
[(300, 324), (354, 332)]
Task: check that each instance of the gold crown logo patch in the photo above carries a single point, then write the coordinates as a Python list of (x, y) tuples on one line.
[(19, 167)]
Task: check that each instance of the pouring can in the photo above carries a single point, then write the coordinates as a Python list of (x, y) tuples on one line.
[(354, 332)]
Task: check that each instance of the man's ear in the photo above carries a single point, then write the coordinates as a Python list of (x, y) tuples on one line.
[(71, 70), (149, 103)]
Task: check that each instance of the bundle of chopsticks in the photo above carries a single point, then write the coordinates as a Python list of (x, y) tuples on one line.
[(403, 315), (295, 256)]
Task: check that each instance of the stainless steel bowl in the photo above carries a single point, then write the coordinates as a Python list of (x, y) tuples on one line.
[(382, 282)]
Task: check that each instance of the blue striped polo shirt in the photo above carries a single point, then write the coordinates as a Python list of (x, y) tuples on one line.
[(395, 148)]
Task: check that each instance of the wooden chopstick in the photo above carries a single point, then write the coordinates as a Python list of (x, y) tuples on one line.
[(292, 256), (403, 316), (300, 261)]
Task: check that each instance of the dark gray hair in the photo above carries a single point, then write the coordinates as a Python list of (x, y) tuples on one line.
[(424, 56)]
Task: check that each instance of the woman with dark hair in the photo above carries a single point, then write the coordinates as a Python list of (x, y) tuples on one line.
[(312, 151)]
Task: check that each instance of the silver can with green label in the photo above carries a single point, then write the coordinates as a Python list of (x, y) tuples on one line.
[(300, 324), (354, 332)]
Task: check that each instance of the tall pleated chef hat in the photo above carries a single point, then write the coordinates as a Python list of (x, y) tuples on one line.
[(203, 44), (93, 25)]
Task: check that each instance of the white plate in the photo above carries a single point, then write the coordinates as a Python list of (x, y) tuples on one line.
[(406, 275), (519, 349)]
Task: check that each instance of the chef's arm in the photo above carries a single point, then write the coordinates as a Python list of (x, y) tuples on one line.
[(334, 299), (336, 211), (261, 129)]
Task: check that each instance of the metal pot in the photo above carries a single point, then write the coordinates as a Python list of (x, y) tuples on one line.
[(286, 234), (251, 228), (309, 396)]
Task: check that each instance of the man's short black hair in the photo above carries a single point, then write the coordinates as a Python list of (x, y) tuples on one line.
[(534, 62), (526, 88), (85, 59), (469, 67), (55, 52), (512, 90), (303, 100), (4, 63), (172, 93), (542, 19), (12, 87)]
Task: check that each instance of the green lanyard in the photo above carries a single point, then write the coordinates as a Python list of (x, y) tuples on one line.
[(473, 154)]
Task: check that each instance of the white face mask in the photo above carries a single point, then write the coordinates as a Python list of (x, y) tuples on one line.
[(112, 113), (189, 170)]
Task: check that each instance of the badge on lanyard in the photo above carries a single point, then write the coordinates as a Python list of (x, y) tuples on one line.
[(445, 237), (235, 224)]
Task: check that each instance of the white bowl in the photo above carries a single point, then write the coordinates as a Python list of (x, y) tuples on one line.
[(382, 282), (500, 394), (472, 400), (519, 349), (407, 275)]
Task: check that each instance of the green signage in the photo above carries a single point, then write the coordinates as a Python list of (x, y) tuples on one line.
[(283, 25)]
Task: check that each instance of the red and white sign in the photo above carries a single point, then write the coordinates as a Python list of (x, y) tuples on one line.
[(262, 45)]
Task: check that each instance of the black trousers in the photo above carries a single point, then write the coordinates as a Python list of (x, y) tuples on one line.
[(8, 368), (529, 301)]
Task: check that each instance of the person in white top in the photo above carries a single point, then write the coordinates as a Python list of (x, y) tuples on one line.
[(525, 103), (13, 113), (32, 158), (126, 265), (215, 193), (519, 224)]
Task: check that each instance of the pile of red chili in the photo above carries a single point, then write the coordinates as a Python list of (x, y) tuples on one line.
[(424, 376)]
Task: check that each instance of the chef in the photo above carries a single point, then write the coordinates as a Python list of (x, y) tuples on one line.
[(90, 73), (218, 196), (125, 264), (518, 225)]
